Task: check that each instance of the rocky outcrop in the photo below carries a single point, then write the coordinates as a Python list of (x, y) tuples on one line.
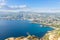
[(29, 37)]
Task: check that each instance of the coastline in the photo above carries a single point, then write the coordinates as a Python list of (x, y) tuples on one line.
[(46, 25)]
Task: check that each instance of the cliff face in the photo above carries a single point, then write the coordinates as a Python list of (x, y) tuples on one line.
[(53, 35)]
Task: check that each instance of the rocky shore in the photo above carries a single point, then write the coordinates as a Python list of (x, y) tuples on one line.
[(29, 37)]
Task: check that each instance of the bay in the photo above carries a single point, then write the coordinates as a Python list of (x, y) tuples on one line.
[(17, 28)]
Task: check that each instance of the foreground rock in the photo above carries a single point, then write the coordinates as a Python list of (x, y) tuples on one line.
[(29, 37), (53, 35)]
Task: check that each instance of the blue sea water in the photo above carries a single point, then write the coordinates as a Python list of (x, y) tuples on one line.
[(17, 28)]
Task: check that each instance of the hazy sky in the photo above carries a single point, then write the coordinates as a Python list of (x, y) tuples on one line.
[(35, 5)]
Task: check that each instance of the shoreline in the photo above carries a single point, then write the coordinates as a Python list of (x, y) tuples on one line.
[(46, 25)]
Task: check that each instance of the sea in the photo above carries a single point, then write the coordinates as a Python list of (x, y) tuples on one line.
[(17, 28)]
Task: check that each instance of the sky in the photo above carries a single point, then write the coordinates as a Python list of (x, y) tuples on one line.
[(31, 5)]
